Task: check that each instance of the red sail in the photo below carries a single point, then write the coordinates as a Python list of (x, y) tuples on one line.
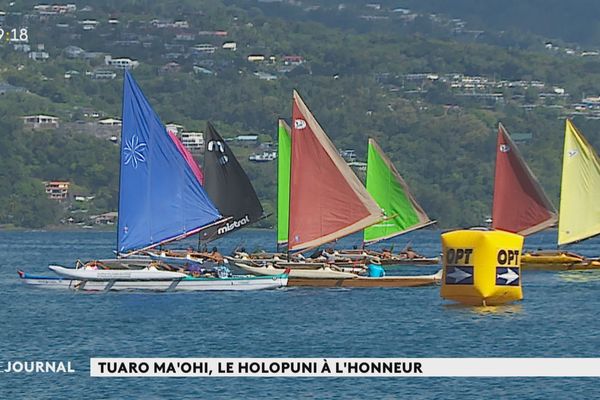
[(327, 200), (520, 204)]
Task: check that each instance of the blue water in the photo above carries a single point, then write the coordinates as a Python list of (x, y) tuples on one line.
[(557, 318)]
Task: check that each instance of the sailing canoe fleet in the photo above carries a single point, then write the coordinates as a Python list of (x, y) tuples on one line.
[(164, 197), (521, 205)]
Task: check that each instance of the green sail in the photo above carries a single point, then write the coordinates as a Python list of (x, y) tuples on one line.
[(283, 181), (391, 193)]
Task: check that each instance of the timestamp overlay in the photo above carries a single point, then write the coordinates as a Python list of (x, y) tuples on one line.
[(14, 35)]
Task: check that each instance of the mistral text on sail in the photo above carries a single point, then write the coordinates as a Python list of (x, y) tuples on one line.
[(234, 225)]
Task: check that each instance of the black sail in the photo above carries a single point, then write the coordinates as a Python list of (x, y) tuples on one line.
[(228, 187)]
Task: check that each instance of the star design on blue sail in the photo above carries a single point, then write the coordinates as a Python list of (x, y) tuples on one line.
[(134, 151)]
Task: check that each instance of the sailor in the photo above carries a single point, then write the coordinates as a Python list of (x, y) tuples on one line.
[(241, 253), (216, 256), (375, 269), (299, 257), (329, 255), (194, 270), (410, 254), (386, 253)]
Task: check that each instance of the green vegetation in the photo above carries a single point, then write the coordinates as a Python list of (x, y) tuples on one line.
[(443, 144)]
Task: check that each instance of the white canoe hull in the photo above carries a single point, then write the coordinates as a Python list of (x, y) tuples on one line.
[(318, 272), (174, 260), (125, 262), (144, 274), (236, 283)]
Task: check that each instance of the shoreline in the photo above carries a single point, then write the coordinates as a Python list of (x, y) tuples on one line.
[(71, 228)]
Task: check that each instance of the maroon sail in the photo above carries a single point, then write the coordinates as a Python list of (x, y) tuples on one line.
[(520, 204), (327, 200)]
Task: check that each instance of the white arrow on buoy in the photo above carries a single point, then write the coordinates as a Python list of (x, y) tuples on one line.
[(459, 275), (509, 276)]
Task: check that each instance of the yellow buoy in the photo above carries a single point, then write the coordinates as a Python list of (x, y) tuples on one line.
[(482, 267)]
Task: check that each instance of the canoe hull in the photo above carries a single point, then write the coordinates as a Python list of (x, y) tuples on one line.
[(238, 283), (116, 274), (575, 266), (365, 282), (298, 272), (391, 262), (557, 261)]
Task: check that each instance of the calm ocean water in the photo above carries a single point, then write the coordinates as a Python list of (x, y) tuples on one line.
[(557, 318)]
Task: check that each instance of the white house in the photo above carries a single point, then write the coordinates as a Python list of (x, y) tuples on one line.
[(193, 141), (173, 127), (103, 74), (121, 63), (256, 58), (41, 121), (110, 122), (89, 24), (205, 48), (38, 55), (229, 46)]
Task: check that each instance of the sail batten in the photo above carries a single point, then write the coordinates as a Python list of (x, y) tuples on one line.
[(327, 200), (390, 191), (228, 187), (155, 180), (520, 204), (284, 149), (580, 189)]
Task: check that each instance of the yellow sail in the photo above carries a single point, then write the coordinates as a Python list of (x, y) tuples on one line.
[(580, 189)]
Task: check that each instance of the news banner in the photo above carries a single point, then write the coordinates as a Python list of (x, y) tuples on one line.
[(344, 367)]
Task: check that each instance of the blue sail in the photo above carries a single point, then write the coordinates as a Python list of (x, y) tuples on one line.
[(160, 197)]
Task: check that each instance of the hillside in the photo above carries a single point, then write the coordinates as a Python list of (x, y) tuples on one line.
[(432, 97)]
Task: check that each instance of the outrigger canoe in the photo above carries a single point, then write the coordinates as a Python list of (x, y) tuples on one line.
[(298, 270), (557, 261), (144, 274), (186, 283), (323, 275), (368, 282)]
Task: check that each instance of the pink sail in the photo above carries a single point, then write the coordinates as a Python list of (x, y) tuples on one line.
[(188, 157)]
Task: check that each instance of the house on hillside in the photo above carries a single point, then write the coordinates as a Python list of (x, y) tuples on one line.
[(203, 48), (174, 127), (256, 58), (170, 67), (57, 190), (109, 218), (246, 140), (232, 46), (121, 63), (39, 55), (110, 122), (41, 121), (88, 24), (101, 73), (193, 141), (293, 60)]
